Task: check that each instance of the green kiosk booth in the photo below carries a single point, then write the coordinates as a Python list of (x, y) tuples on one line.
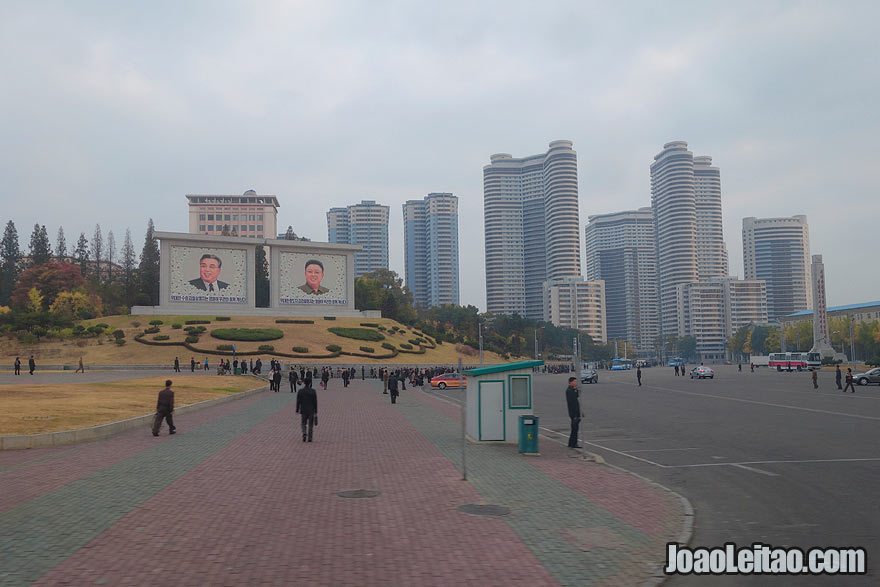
[(499, 405)]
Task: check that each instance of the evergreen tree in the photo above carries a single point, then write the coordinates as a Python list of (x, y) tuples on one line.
[(148, 270), (128, 267), (81, 254), (97, 250), (262, 278), (60, 245), (110, 253), (10, 261), (40, 251)]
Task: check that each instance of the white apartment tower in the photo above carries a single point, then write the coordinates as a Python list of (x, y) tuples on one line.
[(576, 303), (431, 241), (777, 250), (363, 224), (530, 208), (620, 250), (686, 204)]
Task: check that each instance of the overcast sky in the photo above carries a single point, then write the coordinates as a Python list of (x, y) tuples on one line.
[(110, 112)]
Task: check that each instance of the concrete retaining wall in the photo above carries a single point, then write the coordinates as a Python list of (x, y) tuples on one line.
[(49, 439)]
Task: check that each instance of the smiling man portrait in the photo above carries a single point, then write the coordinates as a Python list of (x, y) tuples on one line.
[(314, 275), (209, 270)]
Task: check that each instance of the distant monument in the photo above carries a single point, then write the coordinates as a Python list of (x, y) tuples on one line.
[(821, 340)]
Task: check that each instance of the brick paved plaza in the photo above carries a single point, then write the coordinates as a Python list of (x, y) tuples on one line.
[(236, 498)]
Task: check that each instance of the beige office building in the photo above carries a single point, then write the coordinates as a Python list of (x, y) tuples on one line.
[(249, 215)]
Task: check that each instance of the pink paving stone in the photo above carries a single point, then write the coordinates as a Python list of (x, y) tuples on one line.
[(633, 500), (263, 510), (78, 461)]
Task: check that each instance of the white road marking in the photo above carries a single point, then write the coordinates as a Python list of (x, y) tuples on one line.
[(661, 449), (754, 470)]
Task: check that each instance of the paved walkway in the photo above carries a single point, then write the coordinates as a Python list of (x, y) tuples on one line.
[(237, 498)]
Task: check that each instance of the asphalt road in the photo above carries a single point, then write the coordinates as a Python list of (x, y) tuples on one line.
[(763, 457)]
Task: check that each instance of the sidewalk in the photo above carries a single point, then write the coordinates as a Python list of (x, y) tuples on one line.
[(237, 498)]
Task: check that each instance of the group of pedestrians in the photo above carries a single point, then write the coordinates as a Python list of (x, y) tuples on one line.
[(32, 365)]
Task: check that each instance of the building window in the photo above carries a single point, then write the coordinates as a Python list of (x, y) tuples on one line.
[(235, 217), (201, 217), (259, 228), (210, 227), (226, 217), (201, 228), (259, 216), (210, 217), (252, 228)]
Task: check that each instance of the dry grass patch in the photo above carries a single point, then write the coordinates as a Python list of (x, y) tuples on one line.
[(34, 409)]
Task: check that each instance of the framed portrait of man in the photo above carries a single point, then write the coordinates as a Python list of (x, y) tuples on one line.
[(307, 278), (200, 274)]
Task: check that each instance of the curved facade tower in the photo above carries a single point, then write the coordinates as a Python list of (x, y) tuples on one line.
[(530, 208), (711, 252), (673, 202)]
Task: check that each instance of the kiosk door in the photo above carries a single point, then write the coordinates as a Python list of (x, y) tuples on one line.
[(491, 410)]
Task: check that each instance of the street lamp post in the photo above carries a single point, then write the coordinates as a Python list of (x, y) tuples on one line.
[(852, 343), (480, 327), (536, 340)]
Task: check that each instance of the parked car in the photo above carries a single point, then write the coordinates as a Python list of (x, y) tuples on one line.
[(702, 372), (447, 380), (868, 377), (589, 375)]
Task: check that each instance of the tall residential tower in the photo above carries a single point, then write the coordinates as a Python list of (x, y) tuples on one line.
[(530, 208), (430, 229), (363, 224)]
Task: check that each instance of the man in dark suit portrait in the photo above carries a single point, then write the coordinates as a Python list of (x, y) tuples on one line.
[(314, 275), (209, 271)]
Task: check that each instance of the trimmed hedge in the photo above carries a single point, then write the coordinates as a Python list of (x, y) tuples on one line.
[(222, 318), (224, 347), (415, 341), (333, 348), (156, 323), (389, 346), (370, 324), (289, 321), (368, 349), (192, 339), (195, 329), (151, 330), (406, 346), (300, 349), (117, 334), (329, 317), (177, 326), (380, 327), (161, 337), (247, 334), (266, 347), (197, 322), (357, 333)]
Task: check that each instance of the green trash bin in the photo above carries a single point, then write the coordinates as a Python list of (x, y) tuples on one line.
[(528, 434), (238, 370)]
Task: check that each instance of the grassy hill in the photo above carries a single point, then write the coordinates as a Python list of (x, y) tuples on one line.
[(315, 337)]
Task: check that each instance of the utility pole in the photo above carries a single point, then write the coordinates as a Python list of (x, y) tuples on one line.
[(852, 344), (480, 328)]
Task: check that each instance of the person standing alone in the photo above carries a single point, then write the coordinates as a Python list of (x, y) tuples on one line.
[(165, 410), (815, 380), (307, 407), (17, 366), (639, 375), (572, 398), (32, 365), (293, 378), (392, 387)]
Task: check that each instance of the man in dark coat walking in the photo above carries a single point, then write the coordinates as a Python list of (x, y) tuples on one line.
[(292, 377), (837, 377), (32, 364), (164, 410), (307, 407), (572, 398), (639, 375), (345, 375), (277, 377), (176, 365), (392, 387)]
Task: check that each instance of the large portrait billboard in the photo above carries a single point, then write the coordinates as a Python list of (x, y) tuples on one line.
[(308, 278), (212, 275)]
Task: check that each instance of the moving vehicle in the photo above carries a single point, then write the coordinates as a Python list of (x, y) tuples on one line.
[(673, 361), (795, 361), (621, 364), (868, 377), (702, 372), (447, 380), (589, 375), (759, 360)]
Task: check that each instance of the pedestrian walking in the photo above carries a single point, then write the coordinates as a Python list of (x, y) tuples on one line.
[(80, 368), (32, 365), (307, 408), (739, 367), (17, 366), (206, 364), (572, 398), (277, 378), (165, 410), (676, 369), (292, 379), (384, 373), (639, 375), (176, 364), (837, 377), (363, 373), (752, 365), (192, 365), (392, 387), (345, 375), (849, 381), (815, 380)]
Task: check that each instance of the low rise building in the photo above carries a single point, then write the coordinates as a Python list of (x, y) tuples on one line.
[(577, 303)]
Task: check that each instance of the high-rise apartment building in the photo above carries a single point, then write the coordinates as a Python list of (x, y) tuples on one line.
[(574, 302), (530, 208), (777, 250), (620, 250), (430, 229), (364, 224), (712, 311), (250, 214), (686, 204)]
